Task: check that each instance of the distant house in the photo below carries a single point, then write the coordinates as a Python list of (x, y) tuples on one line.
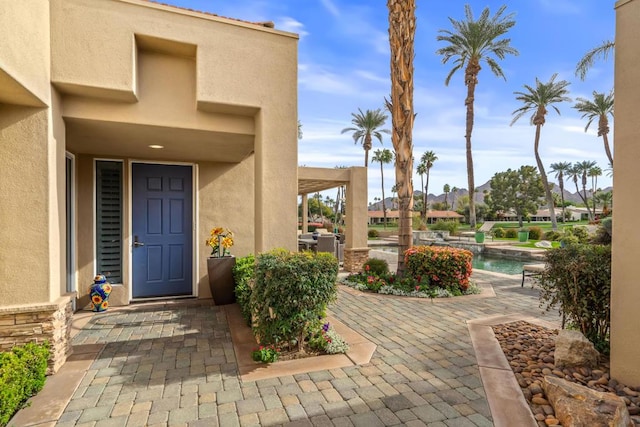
[(377, 217)]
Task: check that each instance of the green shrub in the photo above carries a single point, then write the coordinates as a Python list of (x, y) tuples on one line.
[(574, 235), (373, 233), (291, 291), (442, 225), (445, 267), (552, 235), (22, 375), (577, 278), (376, 266), (535, 233), (604, 232), (511, 233), (244, 273), (499, 233)]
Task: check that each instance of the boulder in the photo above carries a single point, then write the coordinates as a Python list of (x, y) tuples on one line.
[(573, 349), (543, 244), (577, 406)]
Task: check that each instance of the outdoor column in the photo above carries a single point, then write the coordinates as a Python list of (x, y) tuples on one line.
[(305, 213), (625, 292), (356, 251)]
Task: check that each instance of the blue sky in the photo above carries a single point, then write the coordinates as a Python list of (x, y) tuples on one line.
[(344, 65)]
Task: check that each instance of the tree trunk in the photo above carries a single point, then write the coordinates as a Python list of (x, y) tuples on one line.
[(605, 138), (584, 197), (402, 27), (471, 80), (545, 182), (423, 214), (561, 185), (426, 195), (384, 208)]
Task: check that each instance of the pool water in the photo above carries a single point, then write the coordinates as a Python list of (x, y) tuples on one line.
[(481, 262), (498, 265)]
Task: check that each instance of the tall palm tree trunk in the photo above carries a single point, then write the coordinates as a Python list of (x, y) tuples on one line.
[(471, 80), (367, 146), (545, 182), (423, 214), (605, 138), (561, 185), (402, 27), (584, 196), (586, 202), (426, 194), (384, 208)]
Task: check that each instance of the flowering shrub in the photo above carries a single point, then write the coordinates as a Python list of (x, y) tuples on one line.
[(291, 291), (328, 340), (445, 267), (220, 241), (427, 284)]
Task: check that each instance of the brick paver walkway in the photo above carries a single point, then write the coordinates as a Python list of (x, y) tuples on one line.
[(177, 367)]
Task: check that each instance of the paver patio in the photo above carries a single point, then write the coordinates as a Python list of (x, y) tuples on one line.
[(175, 365)]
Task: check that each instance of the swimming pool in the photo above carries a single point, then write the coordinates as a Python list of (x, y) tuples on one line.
[(481, 262)]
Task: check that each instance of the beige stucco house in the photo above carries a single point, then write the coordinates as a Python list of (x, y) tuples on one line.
[(128, 129)]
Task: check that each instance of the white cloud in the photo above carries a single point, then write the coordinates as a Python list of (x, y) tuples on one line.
[(331, 8), (286, 23)]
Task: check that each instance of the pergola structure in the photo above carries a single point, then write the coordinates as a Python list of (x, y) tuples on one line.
[(313, 180)]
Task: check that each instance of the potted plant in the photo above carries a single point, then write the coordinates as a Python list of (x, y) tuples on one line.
[(480, 236), (523, 235), (220, 266)]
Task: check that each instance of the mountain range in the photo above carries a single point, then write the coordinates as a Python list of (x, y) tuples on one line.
[(479, 196)]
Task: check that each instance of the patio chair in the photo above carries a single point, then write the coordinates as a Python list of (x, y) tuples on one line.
[(327, 243)]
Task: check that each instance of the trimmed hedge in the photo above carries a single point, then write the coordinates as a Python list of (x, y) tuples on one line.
[(376, 266), (535, 233), (290, 294), (577, 278), (511, 233), (22, 375), (448, 268), (243, 273)]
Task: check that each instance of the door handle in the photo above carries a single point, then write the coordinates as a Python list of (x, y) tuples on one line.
[(136, 243)]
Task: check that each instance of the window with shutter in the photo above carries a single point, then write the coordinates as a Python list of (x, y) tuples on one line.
[(109, 220)]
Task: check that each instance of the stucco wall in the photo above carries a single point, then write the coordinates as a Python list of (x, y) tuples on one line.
[(24, 213), (625, 291), (226, 199), (24, 79)]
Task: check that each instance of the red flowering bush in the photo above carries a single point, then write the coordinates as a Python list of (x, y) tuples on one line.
[(445, 267)]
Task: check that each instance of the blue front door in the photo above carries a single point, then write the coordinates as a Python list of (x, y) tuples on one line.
[(162, 230)]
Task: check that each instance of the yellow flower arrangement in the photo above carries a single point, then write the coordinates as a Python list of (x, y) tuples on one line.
[(220, 241)]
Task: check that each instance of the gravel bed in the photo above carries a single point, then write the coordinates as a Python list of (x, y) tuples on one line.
[(529, 350)]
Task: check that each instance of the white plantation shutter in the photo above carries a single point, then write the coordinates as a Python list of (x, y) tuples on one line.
[(109, 220)]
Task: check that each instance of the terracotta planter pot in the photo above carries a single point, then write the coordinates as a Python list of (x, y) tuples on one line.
[(221, 280)]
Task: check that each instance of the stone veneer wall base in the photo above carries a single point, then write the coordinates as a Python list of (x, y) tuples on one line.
[(354, 259), (40, 322)]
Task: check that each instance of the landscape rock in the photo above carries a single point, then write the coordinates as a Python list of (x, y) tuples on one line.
[(543, 244), (573, 349), (576, 405)]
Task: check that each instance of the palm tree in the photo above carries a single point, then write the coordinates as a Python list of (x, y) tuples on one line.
[(469, 43), (421, 170), (536, 100), (601, 107), (575, 172), (606, 198), (402, 30), (366, 125), (428, 158), (394, 199), (446, 189), (594, 173), (586, 62), (560, 169), (609, 170), (454, 191), (582, 169), (383, 156)]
